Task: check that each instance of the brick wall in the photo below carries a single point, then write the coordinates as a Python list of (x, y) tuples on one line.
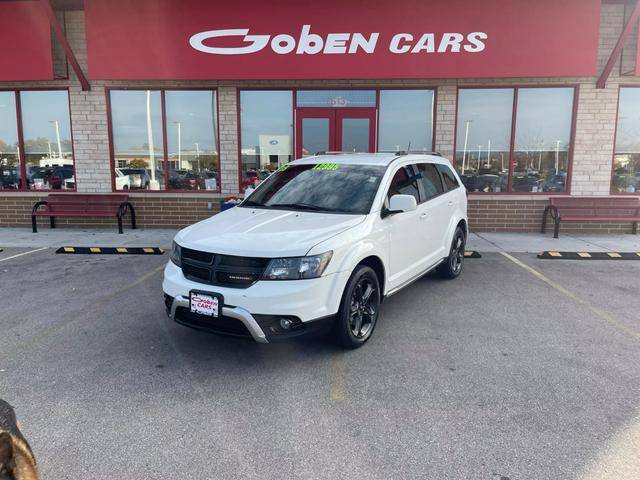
[(592, 155), (151, 212)]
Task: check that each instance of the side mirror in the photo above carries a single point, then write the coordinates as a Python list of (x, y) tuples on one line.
[(402, 203)]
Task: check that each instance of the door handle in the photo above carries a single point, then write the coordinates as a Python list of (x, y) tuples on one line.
[(450, 203), (424, 215)]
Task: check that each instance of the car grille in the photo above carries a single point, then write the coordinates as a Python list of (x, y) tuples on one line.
[(223, 270)]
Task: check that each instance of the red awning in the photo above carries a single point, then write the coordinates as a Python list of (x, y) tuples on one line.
[(25, 42)]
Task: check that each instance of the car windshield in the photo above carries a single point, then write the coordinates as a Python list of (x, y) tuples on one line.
[(322, 187)]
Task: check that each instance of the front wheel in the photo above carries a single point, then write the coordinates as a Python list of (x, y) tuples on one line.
[(359, 308), (452, 266)]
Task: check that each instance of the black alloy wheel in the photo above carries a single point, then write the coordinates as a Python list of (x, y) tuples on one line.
[(359, 309), (452, 266)]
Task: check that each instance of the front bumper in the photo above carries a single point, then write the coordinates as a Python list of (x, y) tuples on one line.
[(237, 313), (311, 303)]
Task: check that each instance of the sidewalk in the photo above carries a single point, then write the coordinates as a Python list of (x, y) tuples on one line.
[(482, 242)]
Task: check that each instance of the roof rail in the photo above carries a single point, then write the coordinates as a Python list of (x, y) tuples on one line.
[(417, 152), (338, 152)]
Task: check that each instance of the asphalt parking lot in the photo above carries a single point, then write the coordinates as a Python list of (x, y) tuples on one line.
[(505, 373)]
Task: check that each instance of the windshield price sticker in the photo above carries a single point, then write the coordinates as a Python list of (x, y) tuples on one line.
[(327, 166)]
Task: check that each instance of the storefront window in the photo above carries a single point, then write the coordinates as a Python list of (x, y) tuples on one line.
[(406, 120), (136, 122), (266, 133), (543, 137), (483, 138), (626, 160), (10, 175), (138, 146), (46, 130), (541, 155), (191, 140)]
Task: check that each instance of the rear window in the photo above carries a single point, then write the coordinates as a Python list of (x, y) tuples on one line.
[(450, 181)]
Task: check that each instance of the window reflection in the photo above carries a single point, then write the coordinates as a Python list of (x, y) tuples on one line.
[(626, 161), (406, 118), (355, 134), (191, 145), (266, 133), (543, 136), (136, 122), (483, 138), (10, 176), (47, 139)]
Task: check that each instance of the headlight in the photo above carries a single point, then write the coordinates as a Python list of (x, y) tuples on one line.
[(176, 253), (296, 268)]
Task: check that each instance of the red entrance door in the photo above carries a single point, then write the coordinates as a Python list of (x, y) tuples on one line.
[(334, 129)]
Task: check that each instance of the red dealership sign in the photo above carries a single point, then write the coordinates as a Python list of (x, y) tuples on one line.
[(25, 42), (333, 39)]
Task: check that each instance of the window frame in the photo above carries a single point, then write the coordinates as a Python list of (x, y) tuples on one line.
[(514, 116), (615, 138), (294, 90), (165, 156), (23, 166)]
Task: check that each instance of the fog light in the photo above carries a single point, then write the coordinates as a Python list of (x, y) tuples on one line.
[(285, 323)]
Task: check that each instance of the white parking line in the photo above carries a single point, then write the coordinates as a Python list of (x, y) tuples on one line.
[(23, 253)]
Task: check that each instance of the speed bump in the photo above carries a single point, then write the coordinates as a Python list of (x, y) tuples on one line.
[(472, 254), (111, 250), (589, 255)]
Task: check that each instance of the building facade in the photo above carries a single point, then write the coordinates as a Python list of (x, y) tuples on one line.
[(179, 136)]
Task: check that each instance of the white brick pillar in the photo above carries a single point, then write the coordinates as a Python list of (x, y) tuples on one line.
[(228, 132), (445, 120)]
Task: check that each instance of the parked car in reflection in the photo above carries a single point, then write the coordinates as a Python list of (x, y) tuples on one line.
[(555, 182), (138, 178), (58, 176), (525, 182), (487, 182), (9, 179), (36, 177), (123, 182)]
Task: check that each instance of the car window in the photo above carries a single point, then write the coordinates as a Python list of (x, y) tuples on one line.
[(323, 187), (449, 178), (404, 183), (430, 178)]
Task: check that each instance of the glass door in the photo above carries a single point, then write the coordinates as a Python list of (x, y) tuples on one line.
[(355, 130), (315, 129), (334, 129)]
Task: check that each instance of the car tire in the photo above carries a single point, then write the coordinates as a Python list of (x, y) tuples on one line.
[(452, 266), (359, 308)]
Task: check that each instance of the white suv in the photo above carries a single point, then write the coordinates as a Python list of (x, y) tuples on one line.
[(319, 245)]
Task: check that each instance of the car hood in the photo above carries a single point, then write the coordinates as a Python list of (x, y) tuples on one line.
[(264, 233)]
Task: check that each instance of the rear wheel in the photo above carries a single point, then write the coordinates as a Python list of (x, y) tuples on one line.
[(452, 266), (359, 308)]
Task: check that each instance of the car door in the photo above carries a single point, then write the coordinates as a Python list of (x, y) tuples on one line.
[(455, 200), (405, 245), (434, 213)]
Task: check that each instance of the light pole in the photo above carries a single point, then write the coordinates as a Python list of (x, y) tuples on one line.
[(197, 155), (55, 122), (557, 155), (479, 153), (152, 159), (466, 140), (179, 144)]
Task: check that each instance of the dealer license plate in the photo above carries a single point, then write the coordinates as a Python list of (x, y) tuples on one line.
[(205, 304)]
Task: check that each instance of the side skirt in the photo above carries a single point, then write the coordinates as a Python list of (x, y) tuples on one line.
[(413, 279)]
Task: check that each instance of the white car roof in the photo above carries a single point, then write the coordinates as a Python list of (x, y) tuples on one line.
[(367, 158)]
